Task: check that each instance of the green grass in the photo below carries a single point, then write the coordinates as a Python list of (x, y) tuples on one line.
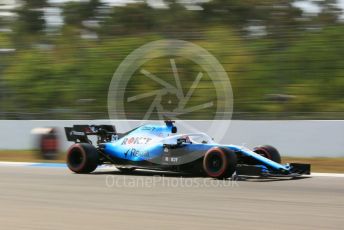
[(319, 164)]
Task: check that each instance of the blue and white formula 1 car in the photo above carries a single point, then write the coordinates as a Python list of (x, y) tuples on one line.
[(158, 147)]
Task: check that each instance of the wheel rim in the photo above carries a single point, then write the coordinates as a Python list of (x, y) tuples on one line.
[(75, 158), (215, 163)]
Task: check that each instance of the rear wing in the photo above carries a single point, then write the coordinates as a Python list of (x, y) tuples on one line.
[(80, 133)]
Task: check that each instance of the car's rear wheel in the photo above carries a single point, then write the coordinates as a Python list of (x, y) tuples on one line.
[(219, 163), (82, 158), (269, 152)]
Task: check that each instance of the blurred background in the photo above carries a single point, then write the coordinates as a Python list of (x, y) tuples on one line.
[(284, 58)]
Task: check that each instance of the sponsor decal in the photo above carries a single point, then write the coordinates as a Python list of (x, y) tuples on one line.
[(124, 141), (136, 141), (171, 159), (136, 153), (77, 133), (131, 140)]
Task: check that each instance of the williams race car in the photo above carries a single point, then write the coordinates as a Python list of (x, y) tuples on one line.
[(159, 147)]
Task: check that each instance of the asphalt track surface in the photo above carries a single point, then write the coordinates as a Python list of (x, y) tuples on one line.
[(54, 198)]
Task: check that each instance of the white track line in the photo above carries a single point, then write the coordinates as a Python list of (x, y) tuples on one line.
[(109, 167), (327, 174), (9, 163)]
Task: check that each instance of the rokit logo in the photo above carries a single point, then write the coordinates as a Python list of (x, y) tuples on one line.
[(136, 141)]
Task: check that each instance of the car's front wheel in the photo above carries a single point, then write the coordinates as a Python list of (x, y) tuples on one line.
[(269, 152), (82, 158), (219, 163)]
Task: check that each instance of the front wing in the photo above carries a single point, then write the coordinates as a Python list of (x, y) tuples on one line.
[(294, 170), (266, 167)]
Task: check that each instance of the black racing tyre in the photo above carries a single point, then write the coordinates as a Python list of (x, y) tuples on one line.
[(219, 163), (125, 170), (82, 158), (269, 152)]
